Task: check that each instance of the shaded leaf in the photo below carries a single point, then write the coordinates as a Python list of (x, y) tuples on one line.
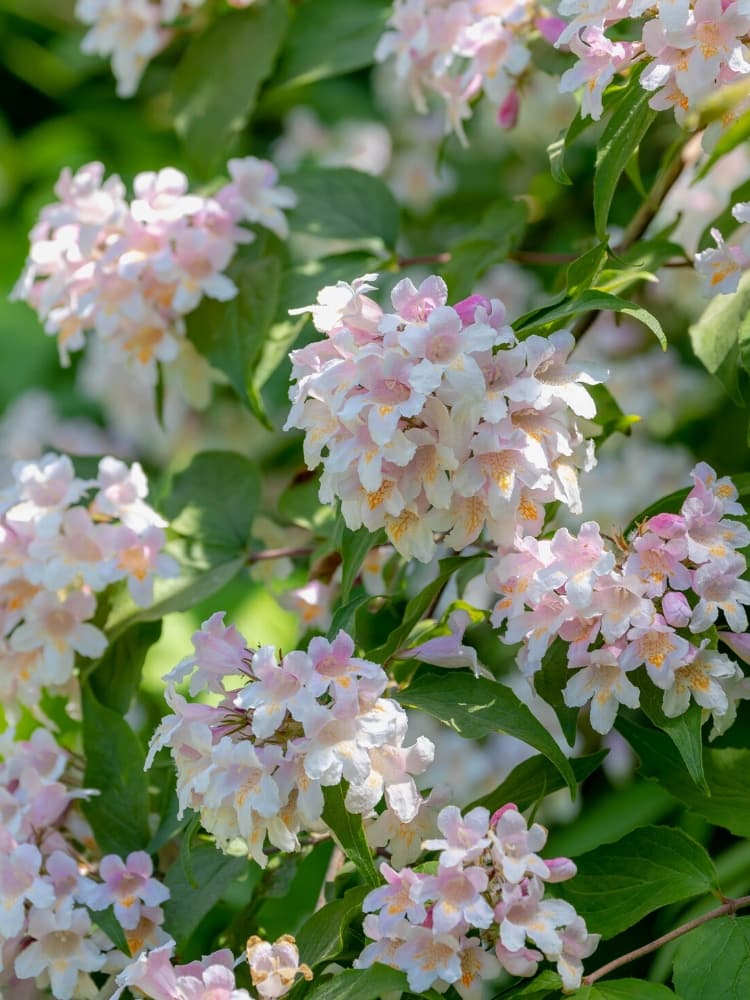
[(321, 937), (592, 301), (534, 778), (501, 229), (714, 960), (349, 832), (685, 731), (343, 204), (114, 679)]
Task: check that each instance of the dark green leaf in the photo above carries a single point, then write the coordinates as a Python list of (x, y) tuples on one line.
[(368, 984), (557, 149), (343, 204), (593, 301), (115, 678), (534, 778), (618, 884), (216, 84), (329, 38), (501, 229), (476, 707), (354, 548), (231, 335), (583, 272), (111, 926), (623, 989), (344, 615), (549, 683), (714, 961), (727, 775), (685, 731), (321, 937), (114, 766), (212, 873), (622, 135), (546, 984), (349, 832)]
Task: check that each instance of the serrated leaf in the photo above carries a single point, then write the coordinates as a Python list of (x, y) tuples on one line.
[(193, 894), (114, 679), (343, 204), (216, 83), (534, 778), (727, 775), (618, 884), (349, 832), (475, 707), (622, 135), (714, 961), (114, 766), (329, 38), (320, 938), (685, 731)]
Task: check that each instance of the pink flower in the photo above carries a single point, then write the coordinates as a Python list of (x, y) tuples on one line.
[(465, 837), (395, 898), (274, 967), (128, 886)]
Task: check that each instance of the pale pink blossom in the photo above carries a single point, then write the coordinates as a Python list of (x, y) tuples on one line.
[(275, 967)]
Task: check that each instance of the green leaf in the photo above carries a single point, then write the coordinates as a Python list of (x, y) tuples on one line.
[(330, 38), (321, 937), (557, 149), (216, 83), (685, 731), (367, 984), (419, 605), (354, 548), (343, 204), (214, 500), (592, 301), (111, 926), (345, 614), (349, 832), (623, 989), (534, 778), (714, 961), (114, 679), (232, 334), (609, 415), (500, 230), (549, 683), (622, 135), (212, 873), (582, 273), (114, 766), (618, 884), (546, 984), (731, 137), (476, 707), (727, 775), (720, 337)]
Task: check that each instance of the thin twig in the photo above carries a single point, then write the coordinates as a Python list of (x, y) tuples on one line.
[(428, 258), (728, 907), (265, 554)]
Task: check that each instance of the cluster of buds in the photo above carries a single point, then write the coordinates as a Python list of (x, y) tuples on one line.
[(51, 878), (687, 48), (59, 546), (434, 419), (483, 909), (132, 32), (459, 49), (255, 765), (722, 266), (129, 271), (273, 970), (651, 601)]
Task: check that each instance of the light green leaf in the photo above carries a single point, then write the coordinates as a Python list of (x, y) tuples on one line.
[(592, 301), (719, 336), (114, 766), (343, 204), (475, 707), (349, 832), (216, 83), (734, 135), (714, 961), (618, 884), (622, 136)]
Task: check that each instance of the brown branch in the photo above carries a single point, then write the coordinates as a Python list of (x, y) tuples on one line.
[(728, 907), (429, 258), (265, 554)]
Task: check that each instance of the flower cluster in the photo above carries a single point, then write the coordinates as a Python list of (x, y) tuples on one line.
[(130, 271), (722, 266), (483, 910), (132, 32), (56, 552), (48, 883), (689, 48), (256, 764), (652, 601), (434, 418), (458, 49)]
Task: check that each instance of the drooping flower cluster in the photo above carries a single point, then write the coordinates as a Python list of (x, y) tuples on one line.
[(483, 909), (59, 546), (256, 764), (129, 271), (722, 266), (688, 48), (651, 601), (132, 32), (48, 879), (458, 49), (434, 419)]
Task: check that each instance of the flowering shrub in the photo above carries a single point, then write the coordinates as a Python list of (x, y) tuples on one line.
[(474, 720)]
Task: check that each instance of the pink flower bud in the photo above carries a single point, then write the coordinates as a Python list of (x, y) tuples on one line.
[(677, 611), (499, 813), (560, 869), (507, 114), (467, 308)]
